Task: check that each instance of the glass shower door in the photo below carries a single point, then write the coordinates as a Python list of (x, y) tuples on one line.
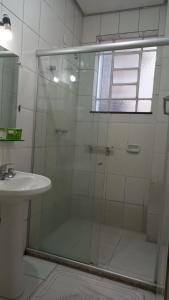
[(63, 221)]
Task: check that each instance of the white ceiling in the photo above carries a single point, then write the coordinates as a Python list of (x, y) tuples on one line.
[(98, 6)]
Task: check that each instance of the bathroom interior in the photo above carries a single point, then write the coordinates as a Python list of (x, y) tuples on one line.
[(84, 149)]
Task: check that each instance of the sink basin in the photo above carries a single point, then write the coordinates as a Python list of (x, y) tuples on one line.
[(13, 194), (23, 185)]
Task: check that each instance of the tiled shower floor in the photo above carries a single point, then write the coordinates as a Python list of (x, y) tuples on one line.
[(121, 251)]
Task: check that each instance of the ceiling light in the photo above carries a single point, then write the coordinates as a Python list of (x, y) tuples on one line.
[(72, 78)]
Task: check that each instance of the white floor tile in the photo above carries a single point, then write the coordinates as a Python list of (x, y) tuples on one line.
[(122, 251), (37, 267), (30, 286), (69, 285)]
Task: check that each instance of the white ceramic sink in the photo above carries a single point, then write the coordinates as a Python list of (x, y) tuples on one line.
[(23, 185), (14, 192)]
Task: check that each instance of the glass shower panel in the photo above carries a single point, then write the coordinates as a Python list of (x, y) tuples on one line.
[(62, 221), (105, 205)]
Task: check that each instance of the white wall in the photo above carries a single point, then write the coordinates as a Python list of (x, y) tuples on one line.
[(128, 181), (35, 24), (144, 19)]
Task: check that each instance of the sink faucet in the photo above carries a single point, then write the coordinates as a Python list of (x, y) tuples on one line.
[(6, 172)]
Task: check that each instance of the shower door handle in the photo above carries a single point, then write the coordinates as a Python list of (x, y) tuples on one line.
[(166, 100)]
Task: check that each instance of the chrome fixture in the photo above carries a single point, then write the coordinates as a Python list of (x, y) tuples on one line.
[(132, 148), (6, 172), (100, 149), (166, 105), (5, 28), (106, 47), (61, 131)]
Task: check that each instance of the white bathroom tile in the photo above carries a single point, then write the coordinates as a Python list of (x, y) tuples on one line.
[(162, 24), (69, 14), (142, 135), (149, 18), (152, 227), (98, 187), (136, 190), (21, 158), (83, 160), (129, 21), (30, 286), (83, 109), (30, 45), (86, 134), (16, 43), (48, 22), (81, 181), (115, 187), (41, 128), (59, 36), (86, 83), (68, 37), (161, 138), (78, 19), (118, 135), (26, 90), (114, 213), (117, 163), (139, 165), (37, 268), (164, 83), (32, 14), (91, 29), (16, 6), (102, 129), (35, 231), (156, 193), (158, 164), (43, 44), (25, 121), (133, 217), (60, 8), (157, 78), (109, 23), (39, 161)]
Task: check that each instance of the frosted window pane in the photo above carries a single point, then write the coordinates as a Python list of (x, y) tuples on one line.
[(144, 106), (129, 76), (126, 61), (106, 76), (122, 106), (147, 75), (124, 91)]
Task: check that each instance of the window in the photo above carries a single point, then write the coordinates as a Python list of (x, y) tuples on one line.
[(125, 80)]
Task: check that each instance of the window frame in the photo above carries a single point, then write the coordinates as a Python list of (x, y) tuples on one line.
[(115, 53)]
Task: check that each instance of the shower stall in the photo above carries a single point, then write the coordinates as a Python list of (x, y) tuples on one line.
[(107, 211)]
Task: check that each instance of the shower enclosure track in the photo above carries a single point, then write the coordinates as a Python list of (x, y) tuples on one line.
[(148, 286)]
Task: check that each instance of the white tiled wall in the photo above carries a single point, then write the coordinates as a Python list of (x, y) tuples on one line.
[(144, 19), (35, 24), (128, 180)]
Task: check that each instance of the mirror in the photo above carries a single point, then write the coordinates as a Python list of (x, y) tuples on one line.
[(9, 69)]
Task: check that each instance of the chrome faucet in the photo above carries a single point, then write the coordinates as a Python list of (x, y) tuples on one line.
[(6, 172)]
